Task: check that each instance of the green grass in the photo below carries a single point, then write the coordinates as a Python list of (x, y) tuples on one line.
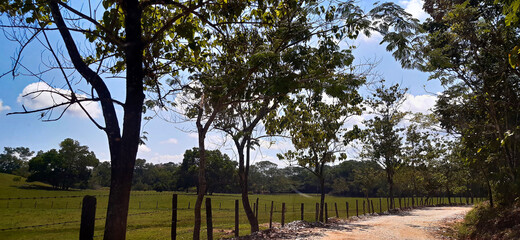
[(149, 213)]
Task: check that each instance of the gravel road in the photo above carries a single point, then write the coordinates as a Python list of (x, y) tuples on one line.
[(415, 224)]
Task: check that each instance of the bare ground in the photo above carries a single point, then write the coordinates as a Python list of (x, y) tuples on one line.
[(423, 223)]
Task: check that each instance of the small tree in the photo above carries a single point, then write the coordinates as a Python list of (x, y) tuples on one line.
[(382, 135), (316, 127)]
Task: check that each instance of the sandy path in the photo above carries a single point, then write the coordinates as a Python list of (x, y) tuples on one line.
[(416, 224)]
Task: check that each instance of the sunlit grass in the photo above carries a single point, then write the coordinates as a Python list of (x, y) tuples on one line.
[(150, 212)]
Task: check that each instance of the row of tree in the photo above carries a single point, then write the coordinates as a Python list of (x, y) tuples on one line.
[(231, 65)]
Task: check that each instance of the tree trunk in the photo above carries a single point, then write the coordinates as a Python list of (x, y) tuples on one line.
[(490, 194), (123, 147), (201, 190), (243, 171), (322, 196), (390, 180)]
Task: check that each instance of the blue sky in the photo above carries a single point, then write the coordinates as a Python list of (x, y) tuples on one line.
[(166, 141)]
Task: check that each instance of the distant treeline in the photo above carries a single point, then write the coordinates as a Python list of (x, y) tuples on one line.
[(74, 166)]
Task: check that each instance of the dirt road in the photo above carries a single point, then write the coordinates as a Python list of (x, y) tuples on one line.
[(416, 224)]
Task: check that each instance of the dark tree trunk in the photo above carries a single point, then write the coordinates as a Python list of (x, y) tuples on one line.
[(123, 148)]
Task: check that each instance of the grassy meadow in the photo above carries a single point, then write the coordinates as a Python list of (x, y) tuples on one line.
[(26, 205)]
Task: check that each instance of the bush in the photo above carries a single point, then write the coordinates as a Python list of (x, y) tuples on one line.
[(484, 222)]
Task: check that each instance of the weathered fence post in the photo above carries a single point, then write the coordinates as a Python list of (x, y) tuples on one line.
[(387, 204), (174, 217), (283, 214), (400, 206), (372, 203), (301, 210), (88, 218), (357, 209), (271, 215), (380, 206), (364, 207), (326, 213), (237, 223), (346, 203), (209, 219), (336, 207), (317, 211)]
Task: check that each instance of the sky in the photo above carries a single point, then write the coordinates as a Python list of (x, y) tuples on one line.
[(167, 142)]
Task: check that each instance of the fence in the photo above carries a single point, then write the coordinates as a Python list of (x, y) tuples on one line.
[(222, 215)]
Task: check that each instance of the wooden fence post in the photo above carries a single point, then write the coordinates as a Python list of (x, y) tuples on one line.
[(380, 206), (346, 204), (301, 210), (326, 213), (336, 207), (400, 206), (363, 207), (271, 215), (317, 211), (387, 204), (357, 209), (209, 220), (372, 203), (283, 214), (88, 218), (174, 217), (237, 223)]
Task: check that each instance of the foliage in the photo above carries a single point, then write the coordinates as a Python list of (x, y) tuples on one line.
[(382, 139), (486, 222), (66, 168), (221, 171), (467, 51), (14, 160)]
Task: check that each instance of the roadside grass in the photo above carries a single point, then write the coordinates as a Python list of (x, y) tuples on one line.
[(149, 213), (484, 222)]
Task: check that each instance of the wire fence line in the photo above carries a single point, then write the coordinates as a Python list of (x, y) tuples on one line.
[(291, 211)]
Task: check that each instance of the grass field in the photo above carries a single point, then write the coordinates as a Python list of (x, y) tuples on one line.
[(29, 205)]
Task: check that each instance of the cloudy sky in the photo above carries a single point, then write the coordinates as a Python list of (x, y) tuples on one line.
[(166, 141)]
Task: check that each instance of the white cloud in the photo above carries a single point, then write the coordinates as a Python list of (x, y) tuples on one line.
[(170, 141), (415, 7), (143, 149), (41, 95), (3, 107), (419, 103), (157, 158)]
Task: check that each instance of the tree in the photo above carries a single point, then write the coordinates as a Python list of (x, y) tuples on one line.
[(140, 41), (466, 47), (382, 135), (13, 159), (220, 169), (66, 168), (316, 126), (101, 175), (77, 159)]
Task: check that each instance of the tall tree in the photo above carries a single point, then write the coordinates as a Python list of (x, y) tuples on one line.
[(140, 41), (316, 126), (382, 136)]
